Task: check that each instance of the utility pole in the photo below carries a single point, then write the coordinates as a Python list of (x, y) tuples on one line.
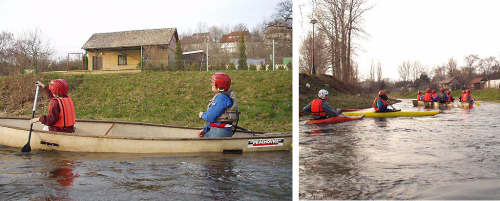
[(313, 70)]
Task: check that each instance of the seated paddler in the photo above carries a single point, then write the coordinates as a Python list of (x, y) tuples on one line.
[(222, 111), (319, 108), (380, 103)]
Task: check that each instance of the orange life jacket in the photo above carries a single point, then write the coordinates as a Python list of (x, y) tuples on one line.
[(464, 97), (434, 95), (67, 112), (316, 108), (375, 103), (449, 98), (418, 97), (428, 97)]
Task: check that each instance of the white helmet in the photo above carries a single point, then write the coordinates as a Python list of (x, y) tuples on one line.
[(322, 93)]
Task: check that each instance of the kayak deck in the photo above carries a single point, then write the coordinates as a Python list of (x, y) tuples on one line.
[(336, 119), (392, 114)]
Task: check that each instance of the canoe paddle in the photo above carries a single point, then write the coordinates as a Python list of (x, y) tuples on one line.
[(478, 104), (27, 147), (392, 106)]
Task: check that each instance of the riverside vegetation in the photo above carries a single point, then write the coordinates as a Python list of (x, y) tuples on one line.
[(173, 98)]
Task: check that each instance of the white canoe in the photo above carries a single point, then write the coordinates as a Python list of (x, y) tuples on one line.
[(436, 105), (465, 105), (128, 137)]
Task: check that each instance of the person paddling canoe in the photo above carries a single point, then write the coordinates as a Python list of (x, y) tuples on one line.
[(420, 97), (467, 97), (61, 116), (442, 97), (319, 108), (450, 98), (380, 103), (222, 111), (428, 95)]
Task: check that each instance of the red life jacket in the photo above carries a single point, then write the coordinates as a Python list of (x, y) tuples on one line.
[(67, 112), (449, 98), (418, 97), (434, 96), (316, 108), (464, 97), (428, 97), (375, 103)]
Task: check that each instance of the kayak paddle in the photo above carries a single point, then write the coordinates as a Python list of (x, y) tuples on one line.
[(27, 147)]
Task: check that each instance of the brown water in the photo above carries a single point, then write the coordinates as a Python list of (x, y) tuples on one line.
[(453, 155), (52, 175)]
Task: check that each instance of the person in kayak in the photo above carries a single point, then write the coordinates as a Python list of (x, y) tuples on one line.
[(450, 98), (442, 97), (419, 96), (434, 95), (461, 96), (380, 103), (428, 95), (61, 116), (319, 108), (467, 97), (222, 111)]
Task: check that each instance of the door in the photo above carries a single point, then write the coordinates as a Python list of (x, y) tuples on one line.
[(98, 65)]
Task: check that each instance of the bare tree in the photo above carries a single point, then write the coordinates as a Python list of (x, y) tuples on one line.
[(469, 69), (487, 66), (240, 27), (321, 63), (283, 17), (379, 72), (439, 73), (372, 71), (404, 71), (416, 70), (341, 20), (451, 67)]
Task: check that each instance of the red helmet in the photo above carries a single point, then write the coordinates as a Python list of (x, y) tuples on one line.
[(222, 81), (433, 91), (468, 91), (463, 92), (448, 92), (442, 90), (381, 92), (419, 92), (59, 87), (428, 90)]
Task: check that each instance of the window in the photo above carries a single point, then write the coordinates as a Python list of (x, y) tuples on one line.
[(122, 59)]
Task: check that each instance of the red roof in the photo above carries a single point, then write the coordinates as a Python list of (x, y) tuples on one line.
[(233, 36), (476, 80)]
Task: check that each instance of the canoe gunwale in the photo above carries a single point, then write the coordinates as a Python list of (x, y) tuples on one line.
[(256, 134)]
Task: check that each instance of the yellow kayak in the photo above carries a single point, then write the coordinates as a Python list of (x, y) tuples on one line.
[(392, 114)]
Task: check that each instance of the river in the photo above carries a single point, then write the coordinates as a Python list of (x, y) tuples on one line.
[(452, 155), (53, 175)]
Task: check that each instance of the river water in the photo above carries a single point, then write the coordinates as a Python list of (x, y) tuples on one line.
[(52, 175), (453, 155)]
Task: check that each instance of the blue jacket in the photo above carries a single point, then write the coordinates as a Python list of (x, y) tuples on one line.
[(382, 107), (221, 102)]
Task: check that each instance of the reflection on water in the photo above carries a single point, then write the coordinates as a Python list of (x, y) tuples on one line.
[(405, 157), (51, 175)]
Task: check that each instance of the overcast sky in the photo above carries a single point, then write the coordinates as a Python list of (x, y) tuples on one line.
[(69, 24), (430, 31)]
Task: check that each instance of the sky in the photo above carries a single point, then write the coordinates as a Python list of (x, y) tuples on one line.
[(430, 31), (69, 24)]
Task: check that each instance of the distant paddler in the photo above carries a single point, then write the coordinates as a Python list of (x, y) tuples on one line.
[(428, 95), (381, 102), (442, 97), (450, 98), (319, 108), (420, 97)]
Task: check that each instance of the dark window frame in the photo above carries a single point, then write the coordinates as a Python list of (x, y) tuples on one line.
[(122, 60)]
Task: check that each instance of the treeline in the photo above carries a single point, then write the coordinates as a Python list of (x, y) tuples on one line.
[(473, 66)]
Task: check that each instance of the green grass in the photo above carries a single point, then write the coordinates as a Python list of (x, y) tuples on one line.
[(174, 98)]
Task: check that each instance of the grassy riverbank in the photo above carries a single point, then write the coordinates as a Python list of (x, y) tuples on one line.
[(490, 95), (174, 98), (341, 95)]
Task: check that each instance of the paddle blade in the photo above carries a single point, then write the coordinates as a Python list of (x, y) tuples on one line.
[(26, 148), (478, 104)]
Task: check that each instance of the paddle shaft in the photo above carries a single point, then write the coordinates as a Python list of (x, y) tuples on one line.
[(391, 105), (27, 147)]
